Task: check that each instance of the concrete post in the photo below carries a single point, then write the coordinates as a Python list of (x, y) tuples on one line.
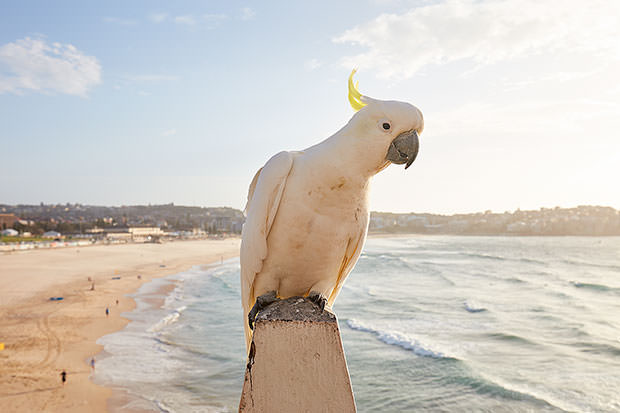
[(296, 362)]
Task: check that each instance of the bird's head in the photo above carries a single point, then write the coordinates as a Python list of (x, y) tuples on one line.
[(389, 129)]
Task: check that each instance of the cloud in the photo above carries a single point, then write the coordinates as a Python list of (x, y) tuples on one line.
[(158, 17), (312, 64), (484, 32), (214, 19), (169, 132), (555, 77), (211, 19), (32, 64), (121, 21), (186, 19), (152, 78), (247, 13)]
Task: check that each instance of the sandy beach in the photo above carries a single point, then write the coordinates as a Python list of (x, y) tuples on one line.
[(43, 337)]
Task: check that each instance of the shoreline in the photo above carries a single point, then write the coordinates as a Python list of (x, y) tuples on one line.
[(121, 398), (44, 337)]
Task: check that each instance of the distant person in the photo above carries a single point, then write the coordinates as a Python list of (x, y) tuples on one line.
[(116, 302), (92, 364), (63, 377), (107, 312)]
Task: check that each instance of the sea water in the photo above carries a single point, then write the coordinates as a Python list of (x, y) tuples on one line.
[(429, 323)]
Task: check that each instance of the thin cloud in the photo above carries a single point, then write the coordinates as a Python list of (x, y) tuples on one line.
[(152, 78), (32, 64), (158, 17), (169, 132), (484, 32), (247, 13), (210, 19), (556, 77), (186, 19), (214, 19), (312, 64), (121, 21)]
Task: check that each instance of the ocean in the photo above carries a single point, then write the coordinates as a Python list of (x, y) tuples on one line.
[(428, 323)]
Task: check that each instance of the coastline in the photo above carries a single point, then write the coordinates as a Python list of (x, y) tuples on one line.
[(44, 337)]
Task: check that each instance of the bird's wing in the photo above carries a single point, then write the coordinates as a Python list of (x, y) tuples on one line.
[(264, 197), (352, 253)]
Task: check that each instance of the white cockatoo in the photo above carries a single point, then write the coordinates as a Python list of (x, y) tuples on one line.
[(307, 211)]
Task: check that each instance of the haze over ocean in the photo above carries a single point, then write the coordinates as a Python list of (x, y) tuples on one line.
[(429, 323)]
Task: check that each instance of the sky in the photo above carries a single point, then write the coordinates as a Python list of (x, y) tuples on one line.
[(138, 102)]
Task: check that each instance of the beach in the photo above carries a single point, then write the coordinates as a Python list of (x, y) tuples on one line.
[(43, 337)]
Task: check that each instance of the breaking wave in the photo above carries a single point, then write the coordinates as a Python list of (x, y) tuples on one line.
[(167, 320), (397, 339)]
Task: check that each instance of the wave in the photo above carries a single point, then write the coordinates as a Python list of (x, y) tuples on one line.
[(591, 264), (595, 287), (499, 388), (167, 320), (162, 407), (398, 339), (474, 381), (484, 256), (473, 307), (176, 295), (502, 258), (515, 280), (598, 348), (510, 338)]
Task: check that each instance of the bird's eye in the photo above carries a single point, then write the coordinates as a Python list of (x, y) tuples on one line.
[(386, 126)]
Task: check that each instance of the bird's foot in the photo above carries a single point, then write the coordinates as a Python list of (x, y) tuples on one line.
[(318, 299), (261, 302)]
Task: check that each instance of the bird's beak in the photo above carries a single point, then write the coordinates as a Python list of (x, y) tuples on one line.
[(404, 148)]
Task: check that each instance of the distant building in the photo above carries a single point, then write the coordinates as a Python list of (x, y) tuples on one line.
[(144, 234), (117, 234), (7, 220), (134, 234)]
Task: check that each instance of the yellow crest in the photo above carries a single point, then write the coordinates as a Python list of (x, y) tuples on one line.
[(355, 97)]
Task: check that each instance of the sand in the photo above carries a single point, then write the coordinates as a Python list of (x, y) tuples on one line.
[(42, 337)]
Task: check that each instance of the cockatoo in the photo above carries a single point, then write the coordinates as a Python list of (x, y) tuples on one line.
[(307, 211)]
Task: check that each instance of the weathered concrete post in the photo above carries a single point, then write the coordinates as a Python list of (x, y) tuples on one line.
[(296, 362)]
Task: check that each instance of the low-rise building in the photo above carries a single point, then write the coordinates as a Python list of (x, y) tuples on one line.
[(7, 220), (133, 234)]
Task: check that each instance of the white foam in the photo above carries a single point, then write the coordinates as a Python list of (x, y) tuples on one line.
[(473, 307), (397, 339), (167, 320)]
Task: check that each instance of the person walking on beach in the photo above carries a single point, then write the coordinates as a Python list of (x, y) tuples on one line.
[(92, 364), (107, 312), (63, 377)]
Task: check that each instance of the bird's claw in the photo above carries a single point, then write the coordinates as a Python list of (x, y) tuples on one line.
[(318, 299), (261, 302)]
